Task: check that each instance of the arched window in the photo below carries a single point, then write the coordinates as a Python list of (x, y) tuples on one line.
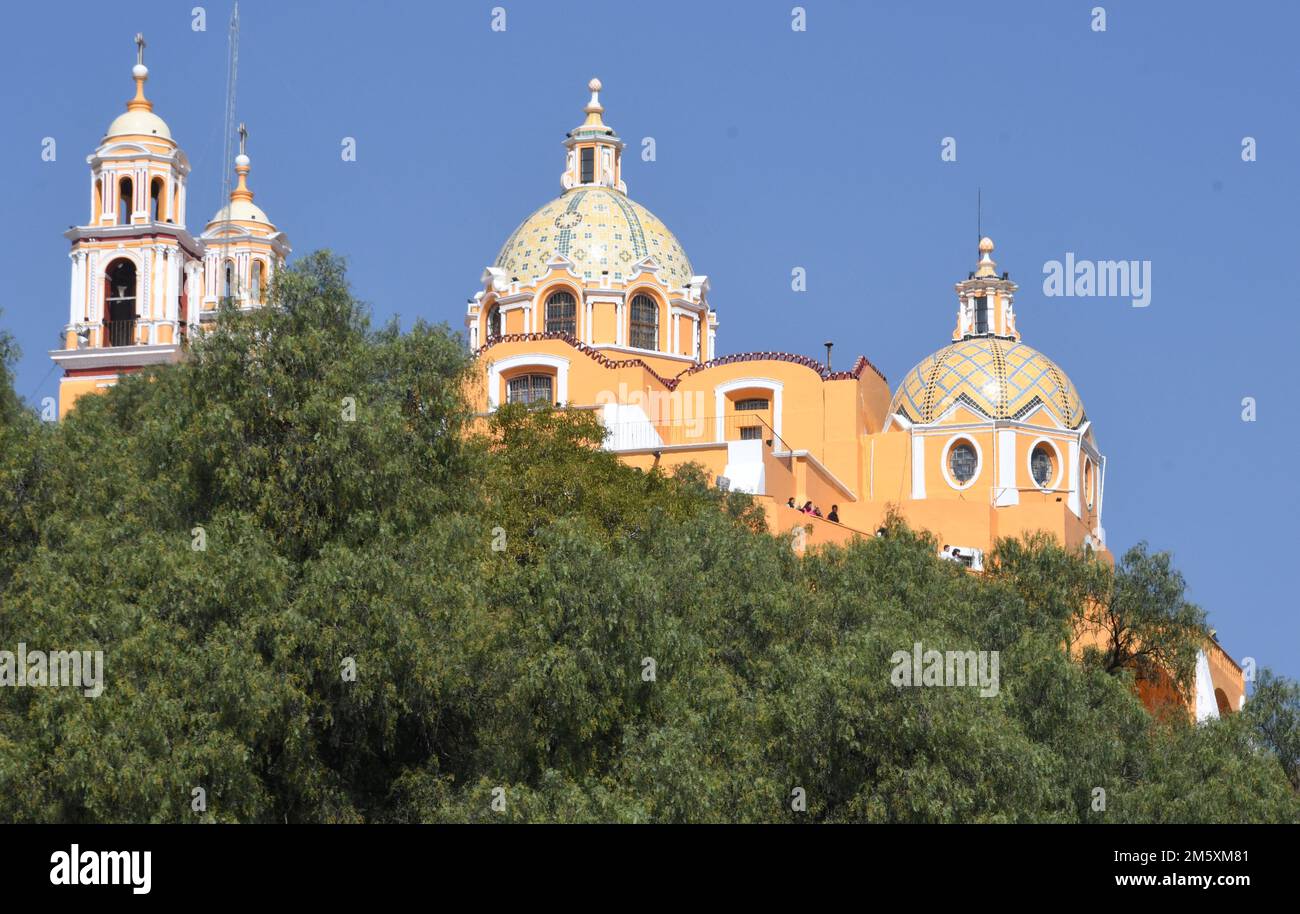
[(963, 462), (157, 202), (530, 388), (1040, 465), (119, 298), (645, 322), (228, 281), (256, 289), (561, 314), (125, 195), (494, 323)]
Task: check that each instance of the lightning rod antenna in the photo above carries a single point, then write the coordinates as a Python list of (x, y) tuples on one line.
[(228, 133)]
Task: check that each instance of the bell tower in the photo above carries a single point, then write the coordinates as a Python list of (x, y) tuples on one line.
[(133, 261), (242, 248)]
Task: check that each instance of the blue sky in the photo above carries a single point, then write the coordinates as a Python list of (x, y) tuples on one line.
[(778, 149)]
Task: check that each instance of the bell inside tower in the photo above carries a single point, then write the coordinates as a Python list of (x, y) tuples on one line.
[(119, 316)]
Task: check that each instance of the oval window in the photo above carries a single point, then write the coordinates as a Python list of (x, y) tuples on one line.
[(963, 462), (1040, 465)]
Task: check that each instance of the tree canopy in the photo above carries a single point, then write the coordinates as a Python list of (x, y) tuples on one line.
[(325, 592)]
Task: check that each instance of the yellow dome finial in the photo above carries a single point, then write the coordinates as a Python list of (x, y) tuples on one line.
[(594, 108), (987, 265), (242, 164), (140, 72)]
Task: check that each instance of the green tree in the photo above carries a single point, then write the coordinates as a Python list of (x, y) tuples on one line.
[(326, 592), (1148, 624), (1274, 711)]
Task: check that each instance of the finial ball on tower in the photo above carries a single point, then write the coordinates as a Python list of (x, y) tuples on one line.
[(594, 85), (986, 245)]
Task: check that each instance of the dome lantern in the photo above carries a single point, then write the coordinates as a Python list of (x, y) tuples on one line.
[(595, 153), (985, 300)]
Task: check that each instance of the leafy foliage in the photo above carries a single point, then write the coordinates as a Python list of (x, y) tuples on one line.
[(539, 632)]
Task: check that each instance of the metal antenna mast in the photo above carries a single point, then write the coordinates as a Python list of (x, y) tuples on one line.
[(228, 133)]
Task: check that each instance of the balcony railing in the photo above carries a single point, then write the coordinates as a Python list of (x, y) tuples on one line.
[(703, 431), (119, 333)]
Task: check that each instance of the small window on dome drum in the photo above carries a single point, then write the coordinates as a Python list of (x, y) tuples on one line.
[(588, 165), (963, 462), (561, 314), (1040, 464), (982, 314)]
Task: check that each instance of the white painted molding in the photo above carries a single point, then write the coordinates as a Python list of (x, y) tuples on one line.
[(720, 395), (918, 466), (1008, 493), (1074, 478)]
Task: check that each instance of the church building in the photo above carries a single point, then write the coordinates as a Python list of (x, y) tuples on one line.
[(141, 282), (593, 304)]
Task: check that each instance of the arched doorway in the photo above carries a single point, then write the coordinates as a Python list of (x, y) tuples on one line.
[(119, 301)]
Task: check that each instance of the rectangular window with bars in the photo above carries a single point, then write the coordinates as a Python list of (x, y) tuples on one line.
[(529, 388), (751, 433), (751, 404)]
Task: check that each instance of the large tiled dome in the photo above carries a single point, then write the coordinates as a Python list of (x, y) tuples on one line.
[(598, 229), (997, 378)]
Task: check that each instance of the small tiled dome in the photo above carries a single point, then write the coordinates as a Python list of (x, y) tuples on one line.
[(997, 378), (598, 229)]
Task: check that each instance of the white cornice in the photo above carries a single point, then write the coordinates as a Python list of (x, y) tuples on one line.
[(115, 356)]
